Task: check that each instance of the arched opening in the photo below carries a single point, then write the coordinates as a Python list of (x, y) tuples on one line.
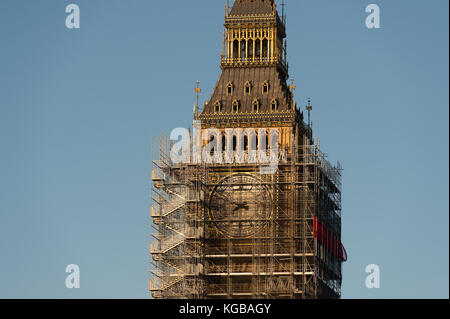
[(235, 106), (214, 145), (250, 50), (255, 106), (243, 50), (235, 49), (265, 87), (224, 144), (217, 107), (258, 49), (274, 105), (230, 88), (248, 88), (265, 49)]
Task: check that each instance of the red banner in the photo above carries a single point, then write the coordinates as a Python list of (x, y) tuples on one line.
[(329, 240)]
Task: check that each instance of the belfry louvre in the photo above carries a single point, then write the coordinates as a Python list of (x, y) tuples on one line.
[(229, 229)]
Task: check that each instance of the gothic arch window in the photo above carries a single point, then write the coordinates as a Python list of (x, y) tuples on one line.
[(243, 50), (235, 49), (213, 142), (265, 49), (265, 87), (223, 143), (258, 48), (217, 107), (255, 106), (274, 105), (247, 88), (235, 106), (250, 48), (230, 88), (235, 142)]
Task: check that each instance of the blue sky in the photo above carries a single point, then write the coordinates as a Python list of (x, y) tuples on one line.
[(78, 109)]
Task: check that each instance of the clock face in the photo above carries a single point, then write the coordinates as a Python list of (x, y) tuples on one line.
[(240, 206)]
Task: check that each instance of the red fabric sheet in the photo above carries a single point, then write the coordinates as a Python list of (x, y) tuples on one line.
[(329, 240)]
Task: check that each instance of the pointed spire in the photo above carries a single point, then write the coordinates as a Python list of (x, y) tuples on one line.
[(309, 109), (197, 90)]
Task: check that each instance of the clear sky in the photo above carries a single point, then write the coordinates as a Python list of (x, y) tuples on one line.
[(78, 109)]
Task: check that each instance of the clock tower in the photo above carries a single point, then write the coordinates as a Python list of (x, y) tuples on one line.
[(256, 212)]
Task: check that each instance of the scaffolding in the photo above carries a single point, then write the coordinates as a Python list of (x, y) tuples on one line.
[(226, 231)]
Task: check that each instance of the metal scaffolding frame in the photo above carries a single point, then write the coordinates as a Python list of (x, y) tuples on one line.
[(194, 258), (177, 212)]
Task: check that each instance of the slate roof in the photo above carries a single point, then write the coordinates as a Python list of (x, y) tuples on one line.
[(238, 77), (252, 7)]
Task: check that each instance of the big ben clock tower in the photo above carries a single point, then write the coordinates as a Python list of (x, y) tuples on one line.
[(224, 225)]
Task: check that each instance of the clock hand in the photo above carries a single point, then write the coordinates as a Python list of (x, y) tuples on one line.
[(241, 206)]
